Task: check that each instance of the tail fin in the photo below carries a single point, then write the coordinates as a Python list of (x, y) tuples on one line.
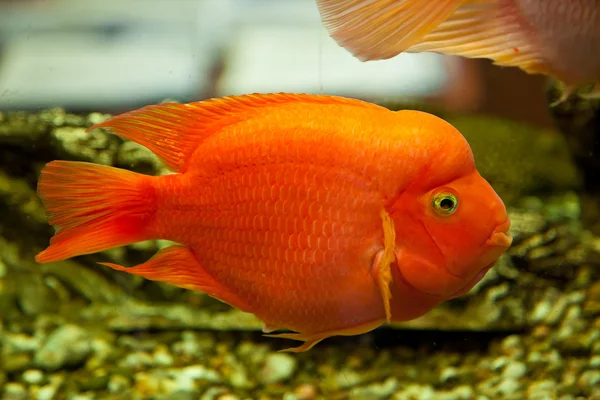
[(93, 208)]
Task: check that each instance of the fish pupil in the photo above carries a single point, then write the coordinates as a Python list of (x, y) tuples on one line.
[(447, 204)]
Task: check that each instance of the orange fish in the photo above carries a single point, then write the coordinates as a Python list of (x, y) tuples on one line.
[(319, 214), (558, 38)]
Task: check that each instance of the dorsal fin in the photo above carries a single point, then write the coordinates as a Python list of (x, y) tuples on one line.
[(173, 131)]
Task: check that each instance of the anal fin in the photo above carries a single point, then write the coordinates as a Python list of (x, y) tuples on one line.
[(178, 266)]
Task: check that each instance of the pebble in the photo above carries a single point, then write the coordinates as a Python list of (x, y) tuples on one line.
[(278, 367), (117, 383), (19, 342), (228, 396), (162, 357), (137, 361), (14, 391), (412, 392), (508, 386), (541, 390), (374, 391), (47, 392), (33, 376), (514, 370), (305, 391), (67, 346), (589, 378)]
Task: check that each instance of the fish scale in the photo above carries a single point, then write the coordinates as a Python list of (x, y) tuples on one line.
[(235, 244)]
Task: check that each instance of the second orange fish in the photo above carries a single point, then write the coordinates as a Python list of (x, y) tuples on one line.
[(319, 214)]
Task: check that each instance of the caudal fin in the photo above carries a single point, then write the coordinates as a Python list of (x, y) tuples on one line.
[(93, 208)]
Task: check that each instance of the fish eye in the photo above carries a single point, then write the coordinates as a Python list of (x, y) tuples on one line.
[(445, 203)]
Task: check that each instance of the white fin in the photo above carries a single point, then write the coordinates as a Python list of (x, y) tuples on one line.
[(379, 29)]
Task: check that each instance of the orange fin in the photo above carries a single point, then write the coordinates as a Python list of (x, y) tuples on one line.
[(382, 273), (381, 29), (312, 339), (173, 131), (93, 208), (178, 266)]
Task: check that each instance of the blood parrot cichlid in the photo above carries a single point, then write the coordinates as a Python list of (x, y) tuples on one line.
[(558, 38), (319, 214)]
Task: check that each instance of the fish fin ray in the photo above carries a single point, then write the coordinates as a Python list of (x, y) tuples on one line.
[(381, 29), (178, 266), (485, 29), (311, 339), (93, 207), (173, 131)]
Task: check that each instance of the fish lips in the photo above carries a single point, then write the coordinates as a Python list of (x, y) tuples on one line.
[(499, 241), (501, 236)]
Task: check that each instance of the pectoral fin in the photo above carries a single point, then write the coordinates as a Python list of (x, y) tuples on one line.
[(382, 273)]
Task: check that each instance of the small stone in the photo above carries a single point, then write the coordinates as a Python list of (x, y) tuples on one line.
[(347, 378), (96, 382), (541, 390), (118, 383), (278, 367), (514, 370), (47, 392), (239, 378), (499, 363), (463, 392), (186, 378), (21, 343), (412, 392), (512, 346), (228, 396), (16, 362), (67, 346), (589, 379), (305, 391), (146, 384), (448, 374), (508, 387), (137, 360), (33, 376), (14, 391), (162, 357), (374, 391), (213, 393)]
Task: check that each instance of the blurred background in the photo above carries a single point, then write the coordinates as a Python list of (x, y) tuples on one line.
[(116, 55)]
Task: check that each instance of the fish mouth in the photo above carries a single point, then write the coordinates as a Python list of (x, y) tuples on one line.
[(501, 236)]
